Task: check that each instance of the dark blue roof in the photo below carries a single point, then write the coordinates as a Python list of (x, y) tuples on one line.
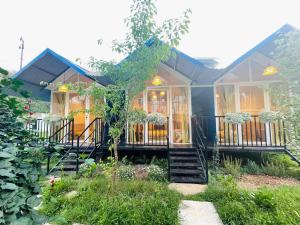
[(47, 66), (265, 47)]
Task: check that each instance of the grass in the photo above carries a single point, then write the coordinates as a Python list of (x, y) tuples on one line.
[(132, 202), (276, 206)]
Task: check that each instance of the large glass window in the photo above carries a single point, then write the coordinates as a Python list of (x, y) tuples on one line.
[(225, 97), (77, 106), (58, 103), (252, 99)]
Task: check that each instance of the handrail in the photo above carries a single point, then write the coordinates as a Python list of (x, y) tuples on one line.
[(94, 141), (69, 125), (200, 147)]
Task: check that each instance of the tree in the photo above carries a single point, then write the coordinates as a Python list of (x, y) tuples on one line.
[(147, 44), (287, 95)]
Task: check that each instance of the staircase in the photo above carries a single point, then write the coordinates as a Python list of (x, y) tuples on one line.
[(186, 166), (75, 155), (189, 165)]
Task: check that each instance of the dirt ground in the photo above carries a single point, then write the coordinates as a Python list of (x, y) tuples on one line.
[(257, 181)]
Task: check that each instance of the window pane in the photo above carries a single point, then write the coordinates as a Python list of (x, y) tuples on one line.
[(225, 99), (180, 110)]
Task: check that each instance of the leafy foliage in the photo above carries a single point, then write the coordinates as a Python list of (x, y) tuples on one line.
[(20, 161), (286, 96)]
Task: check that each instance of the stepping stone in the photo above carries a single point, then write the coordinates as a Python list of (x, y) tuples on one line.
[(188, 189), (198, 213)]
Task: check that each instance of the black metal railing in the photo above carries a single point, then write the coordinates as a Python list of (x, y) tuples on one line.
[(200, 142), (90, 139), (252, 133), (62, 136), (148, 134)]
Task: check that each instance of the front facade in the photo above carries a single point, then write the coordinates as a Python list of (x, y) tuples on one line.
[(181, 89)]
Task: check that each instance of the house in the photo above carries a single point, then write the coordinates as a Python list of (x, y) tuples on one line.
[(192, 96)]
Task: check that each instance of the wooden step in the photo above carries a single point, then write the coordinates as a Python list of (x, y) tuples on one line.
[(71, 161), (184, 158), (183, 153), (186, 171), (185, 164), (185, 179)]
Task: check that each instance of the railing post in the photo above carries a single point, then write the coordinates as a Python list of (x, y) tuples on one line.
[(77, 156), (72, 121), (48, 159), (284, 134), (169, 163)]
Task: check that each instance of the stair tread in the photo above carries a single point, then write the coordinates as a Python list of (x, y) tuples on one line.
[(185, 171), (182, 153), (179, 179), (184, 164)]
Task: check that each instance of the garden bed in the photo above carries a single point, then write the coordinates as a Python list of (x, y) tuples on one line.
[(258, 181)]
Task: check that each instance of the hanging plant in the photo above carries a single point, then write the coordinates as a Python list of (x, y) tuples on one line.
[(237, 118), (270, 117), (136, 116), (156, 118)]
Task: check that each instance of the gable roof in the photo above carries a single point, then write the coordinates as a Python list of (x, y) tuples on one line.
[(265, 47), (47, 66), (190, 67)]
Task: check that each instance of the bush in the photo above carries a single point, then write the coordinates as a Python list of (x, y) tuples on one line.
[(126, 172), (88, 168), (156, 173), (252, 168), (274, 169), (232, 166)]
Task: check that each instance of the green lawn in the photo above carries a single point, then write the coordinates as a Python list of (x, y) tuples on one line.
[(146, 202), (132, 202), (266, 206)]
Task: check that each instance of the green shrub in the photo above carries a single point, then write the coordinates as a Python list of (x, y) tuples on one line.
[(162, 163), (274, 169), (252, 168), (232, 166), (125, 172), (88, 168), (156, 173)]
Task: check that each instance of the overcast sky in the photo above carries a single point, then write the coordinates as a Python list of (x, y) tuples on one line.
[(219, 28)]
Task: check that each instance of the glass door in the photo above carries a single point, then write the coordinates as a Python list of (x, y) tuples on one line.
[(180, 115), (157, 102), (77, 106)]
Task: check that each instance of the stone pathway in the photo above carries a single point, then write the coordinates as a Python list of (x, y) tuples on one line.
[(198, 213), (188, 189)]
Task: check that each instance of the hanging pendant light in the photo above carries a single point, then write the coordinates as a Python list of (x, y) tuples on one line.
[(270, 70), (63, 88), (156, 81)]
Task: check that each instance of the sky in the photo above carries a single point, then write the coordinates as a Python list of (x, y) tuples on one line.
[(220, 29)]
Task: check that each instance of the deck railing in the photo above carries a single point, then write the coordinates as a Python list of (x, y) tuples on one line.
[(45, 129), (252, 133), (148, 134)]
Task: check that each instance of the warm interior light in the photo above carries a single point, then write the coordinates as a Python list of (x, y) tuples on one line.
[(63, 88), (156, 81), (162, 93), (154, 97), (217, 95), (270, 70)]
